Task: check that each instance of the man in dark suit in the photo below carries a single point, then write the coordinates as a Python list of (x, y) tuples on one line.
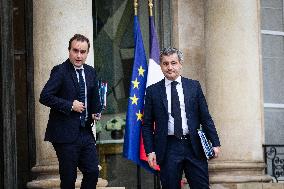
[(73, 97), (178, 107)]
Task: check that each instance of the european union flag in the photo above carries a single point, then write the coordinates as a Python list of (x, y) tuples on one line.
[(131, 148)]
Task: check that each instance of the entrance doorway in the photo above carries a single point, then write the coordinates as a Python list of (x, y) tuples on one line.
[(17, 111), (114, 56), (24, 99)]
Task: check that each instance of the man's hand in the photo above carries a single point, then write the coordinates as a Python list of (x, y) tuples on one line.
[(97, 116), (217, 151), (78, 106), (152, 160)]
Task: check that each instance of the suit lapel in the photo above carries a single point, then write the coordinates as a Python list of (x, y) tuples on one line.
[(87, 76), (73, 74), (187, 95), (163, 93), (186, 91)]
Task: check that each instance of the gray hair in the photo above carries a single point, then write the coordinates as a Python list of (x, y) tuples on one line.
[(171, 50)]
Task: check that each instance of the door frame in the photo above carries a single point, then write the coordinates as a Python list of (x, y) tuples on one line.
[(8, 145), (30, 83), (8, 116)]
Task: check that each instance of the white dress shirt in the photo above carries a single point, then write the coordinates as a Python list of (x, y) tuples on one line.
[(182, 106)]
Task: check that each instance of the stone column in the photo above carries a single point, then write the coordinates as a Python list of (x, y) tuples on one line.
[(55, 22), (234, 89)]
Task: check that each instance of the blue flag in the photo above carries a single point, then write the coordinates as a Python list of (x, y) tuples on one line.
[(134, 115)]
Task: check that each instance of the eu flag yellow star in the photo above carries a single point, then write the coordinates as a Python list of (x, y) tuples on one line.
[(139, 116), (134, 99), (135, 83), (141, 71)]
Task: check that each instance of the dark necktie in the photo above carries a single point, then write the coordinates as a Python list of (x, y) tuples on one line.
[(82, 96), (175, 110)]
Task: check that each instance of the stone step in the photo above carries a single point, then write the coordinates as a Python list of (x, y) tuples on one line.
[(245, 186), (102, 188), (54, 183)]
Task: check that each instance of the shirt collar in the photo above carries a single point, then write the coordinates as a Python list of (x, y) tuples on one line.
[(76, 68), (168, 82)]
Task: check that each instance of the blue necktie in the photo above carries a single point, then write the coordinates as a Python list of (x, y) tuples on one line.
[(175, 110), (82, 95)]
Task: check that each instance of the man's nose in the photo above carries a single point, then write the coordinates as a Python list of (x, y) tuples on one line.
[(170, 67)]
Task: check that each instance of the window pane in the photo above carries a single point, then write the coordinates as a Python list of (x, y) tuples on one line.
[(272, 46), (273, 82), (112, 34), (272, 15), (273, 69), (271, 3), (274, 126)]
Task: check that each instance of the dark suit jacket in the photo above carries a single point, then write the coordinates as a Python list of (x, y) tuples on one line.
[(156, 110), (59, 92)]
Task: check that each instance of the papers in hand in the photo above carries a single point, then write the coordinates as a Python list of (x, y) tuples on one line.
[(206, 144)]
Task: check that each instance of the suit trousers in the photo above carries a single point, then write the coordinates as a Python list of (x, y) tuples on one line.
[(180, 157), (82, 154)]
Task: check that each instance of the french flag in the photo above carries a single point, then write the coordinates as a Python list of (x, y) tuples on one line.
[(155, 73)]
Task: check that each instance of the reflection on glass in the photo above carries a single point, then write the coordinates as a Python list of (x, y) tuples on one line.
[(113, 49)]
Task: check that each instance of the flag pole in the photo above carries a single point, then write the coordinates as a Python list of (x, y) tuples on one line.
[(138, 177), (150, 7), (135, 5), (156, 178)]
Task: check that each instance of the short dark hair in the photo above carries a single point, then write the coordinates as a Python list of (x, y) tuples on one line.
[(171, 50), (79, 37)]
